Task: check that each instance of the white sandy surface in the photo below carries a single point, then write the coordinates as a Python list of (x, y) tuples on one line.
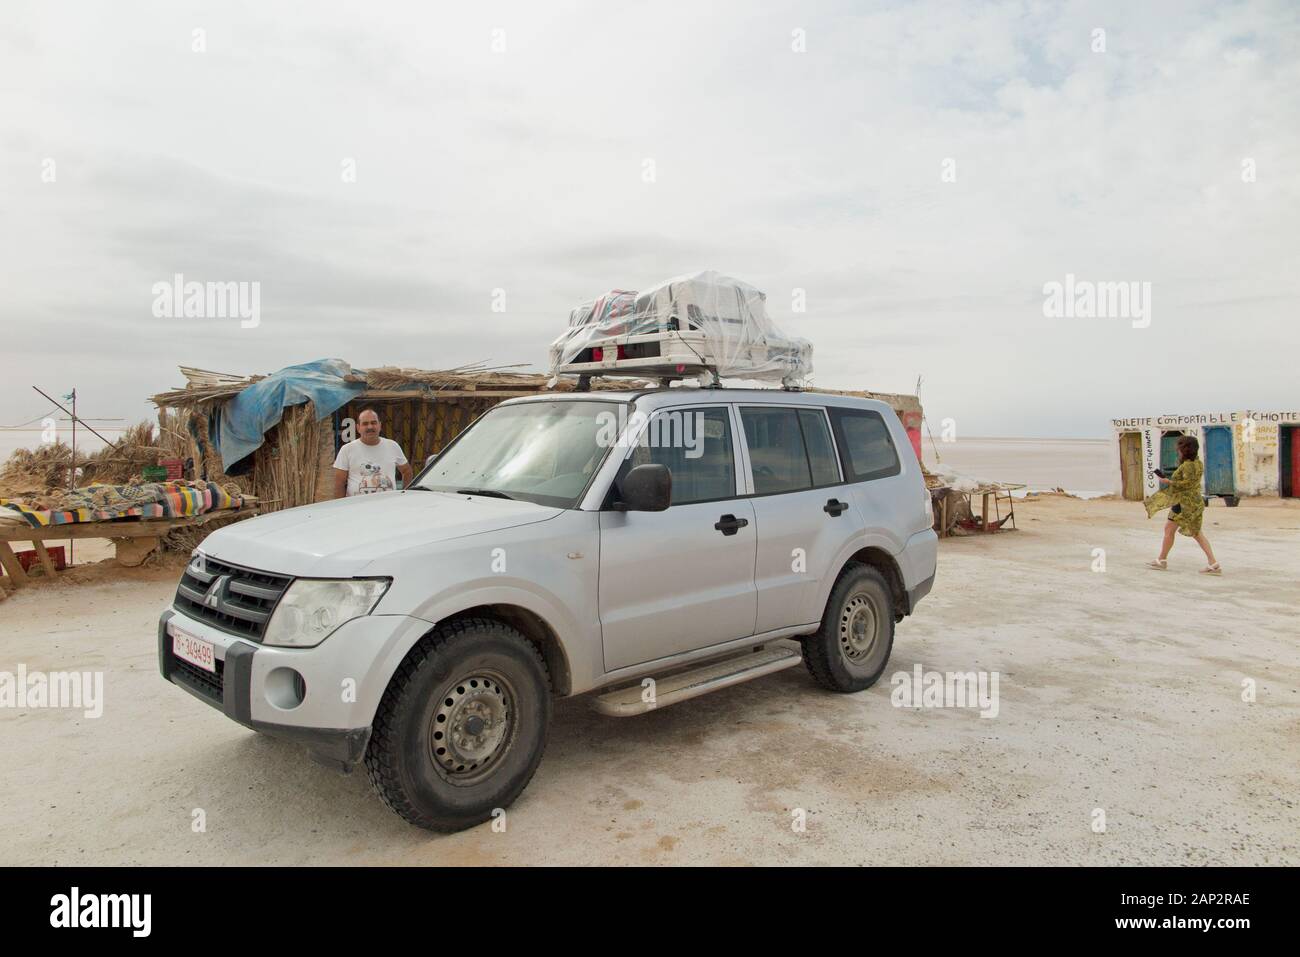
[(1119, 690)]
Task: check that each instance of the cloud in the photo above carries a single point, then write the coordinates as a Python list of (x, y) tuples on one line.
[(527, 171)]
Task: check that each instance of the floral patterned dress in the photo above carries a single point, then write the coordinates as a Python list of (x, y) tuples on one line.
[(1183, 492)]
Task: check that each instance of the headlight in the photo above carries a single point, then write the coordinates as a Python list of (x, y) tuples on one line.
[(313, 608)]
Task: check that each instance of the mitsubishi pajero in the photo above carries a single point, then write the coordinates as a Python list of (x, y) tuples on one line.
[(640, 547)]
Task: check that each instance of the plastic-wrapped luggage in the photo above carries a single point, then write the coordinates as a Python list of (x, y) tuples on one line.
[(700, 324)]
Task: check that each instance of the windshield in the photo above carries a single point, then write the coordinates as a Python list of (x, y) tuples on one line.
[(542, 452)]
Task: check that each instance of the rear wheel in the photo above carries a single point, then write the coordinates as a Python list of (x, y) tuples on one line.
[(851, 649), (462, 726)]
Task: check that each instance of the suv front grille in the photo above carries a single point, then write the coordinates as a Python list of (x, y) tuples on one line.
[(236, 600)]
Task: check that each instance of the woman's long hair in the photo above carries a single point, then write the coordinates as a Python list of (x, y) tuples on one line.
[(1188, 448)]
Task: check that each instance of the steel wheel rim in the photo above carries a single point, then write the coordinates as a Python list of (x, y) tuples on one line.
[(857, 628), (472, 727)]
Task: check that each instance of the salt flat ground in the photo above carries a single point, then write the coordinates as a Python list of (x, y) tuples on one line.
[(1119, 690)]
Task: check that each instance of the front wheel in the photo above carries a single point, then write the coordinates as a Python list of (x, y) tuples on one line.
[(852, 647), (462, 726)]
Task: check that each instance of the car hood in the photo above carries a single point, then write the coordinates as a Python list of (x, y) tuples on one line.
[(341, 537)]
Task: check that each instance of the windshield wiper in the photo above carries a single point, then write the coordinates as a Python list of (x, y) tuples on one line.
[(490, 493)]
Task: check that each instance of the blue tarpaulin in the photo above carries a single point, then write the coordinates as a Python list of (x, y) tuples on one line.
[(238, 430)]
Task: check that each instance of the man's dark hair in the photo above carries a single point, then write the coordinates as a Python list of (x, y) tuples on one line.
[(1188, 447)]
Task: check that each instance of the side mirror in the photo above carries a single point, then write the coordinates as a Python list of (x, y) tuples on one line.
[(429, 458), (646, 488)]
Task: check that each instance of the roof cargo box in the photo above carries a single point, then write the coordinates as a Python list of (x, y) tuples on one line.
[(703, 324)]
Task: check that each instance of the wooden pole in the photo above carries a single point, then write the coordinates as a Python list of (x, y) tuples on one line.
[(83, 421), (72, 475)]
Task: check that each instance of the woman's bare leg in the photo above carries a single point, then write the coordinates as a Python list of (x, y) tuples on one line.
[(1205, 547), (1170, 529)]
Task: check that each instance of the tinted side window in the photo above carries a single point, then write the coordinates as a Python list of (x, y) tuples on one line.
[(866, 449), (821, 453), (696, 446), (777, 457)]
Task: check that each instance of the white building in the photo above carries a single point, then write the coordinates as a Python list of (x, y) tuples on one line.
[(1245, 453)]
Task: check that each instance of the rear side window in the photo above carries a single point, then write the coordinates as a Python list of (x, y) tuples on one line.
[(790, 450), (821, 453), (866, 448), (777, 458)]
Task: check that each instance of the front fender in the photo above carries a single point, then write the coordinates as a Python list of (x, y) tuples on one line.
[(549, 569)]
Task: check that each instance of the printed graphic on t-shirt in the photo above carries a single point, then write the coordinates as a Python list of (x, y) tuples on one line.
[(373, 479)]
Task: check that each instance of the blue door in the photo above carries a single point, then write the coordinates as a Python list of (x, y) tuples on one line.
[(1218, 461)]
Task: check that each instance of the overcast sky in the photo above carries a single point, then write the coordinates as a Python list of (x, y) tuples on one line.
[(612, 146)]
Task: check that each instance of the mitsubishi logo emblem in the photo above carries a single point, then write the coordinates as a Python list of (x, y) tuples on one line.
[(212, 598)]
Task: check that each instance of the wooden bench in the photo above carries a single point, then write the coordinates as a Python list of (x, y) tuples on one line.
[(133, 538)]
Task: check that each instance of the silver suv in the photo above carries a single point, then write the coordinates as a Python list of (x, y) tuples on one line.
[(642, 547)]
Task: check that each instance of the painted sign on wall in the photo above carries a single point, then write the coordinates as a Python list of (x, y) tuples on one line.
[(1254, 444)]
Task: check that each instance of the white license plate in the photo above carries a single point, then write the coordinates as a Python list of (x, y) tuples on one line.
[(194, 650)]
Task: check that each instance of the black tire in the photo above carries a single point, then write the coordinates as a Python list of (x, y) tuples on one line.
[(861, 594), (462, 670)]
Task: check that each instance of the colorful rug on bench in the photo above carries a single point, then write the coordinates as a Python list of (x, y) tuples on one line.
[(97, 503)]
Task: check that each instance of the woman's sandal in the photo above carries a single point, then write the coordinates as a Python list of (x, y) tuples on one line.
[(1159, 564), (1212, 569)]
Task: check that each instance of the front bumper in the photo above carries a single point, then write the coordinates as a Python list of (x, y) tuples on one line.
[(344, 678)]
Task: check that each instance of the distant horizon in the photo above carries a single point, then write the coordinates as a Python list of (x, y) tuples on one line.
[(11, 441), (149, 414)]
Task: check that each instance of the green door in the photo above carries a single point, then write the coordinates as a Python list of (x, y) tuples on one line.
[(1169, 451)]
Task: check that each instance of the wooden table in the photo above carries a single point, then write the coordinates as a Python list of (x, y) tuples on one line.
[(133, 538), (997, 492)]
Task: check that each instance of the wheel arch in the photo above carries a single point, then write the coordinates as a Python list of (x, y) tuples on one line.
[(536, 630), (879, 559)]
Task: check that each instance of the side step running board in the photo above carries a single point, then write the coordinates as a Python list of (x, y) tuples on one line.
[(683, 685)]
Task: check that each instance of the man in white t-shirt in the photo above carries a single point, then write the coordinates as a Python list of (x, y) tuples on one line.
[(369, 463)]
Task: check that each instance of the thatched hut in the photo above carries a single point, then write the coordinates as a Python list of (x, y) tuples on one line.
[(422, 410)]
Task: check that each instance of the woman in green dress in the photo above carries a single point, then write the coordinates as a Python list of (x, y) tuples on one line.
[(1181, 494)]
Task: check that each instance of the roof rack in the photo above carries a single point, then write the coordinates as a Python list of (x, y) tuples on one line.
[(703, 326)]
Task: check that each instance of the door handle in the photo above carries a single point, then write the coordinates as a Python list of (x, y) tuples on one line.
[(834, 507), (730, 525)]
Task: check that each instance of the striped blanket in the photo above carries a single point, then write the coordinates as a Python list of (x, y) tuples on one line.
[(97, 503)]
